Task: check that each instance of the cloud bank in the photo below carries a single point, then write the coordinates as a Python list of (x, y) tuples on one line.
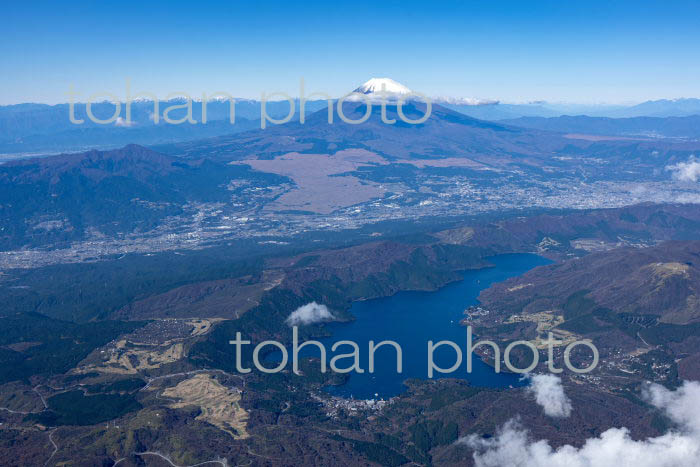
[(549, 394), (464, 101), (679, 447), (686, 171), (309, 314)]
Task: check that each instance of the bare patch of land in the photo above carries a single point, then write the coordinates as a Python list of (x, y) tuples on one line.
[(219, 404), (319, 188)]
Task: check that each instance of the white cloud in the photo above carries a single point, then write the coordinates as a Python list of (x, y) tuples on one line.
[(682, 406), (549, 393), (309, 314), (686, 171), (680, 447), (121, 122)]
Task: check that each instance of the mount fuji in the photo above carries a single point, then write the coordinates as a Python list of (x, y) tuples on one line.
[(381, 129)]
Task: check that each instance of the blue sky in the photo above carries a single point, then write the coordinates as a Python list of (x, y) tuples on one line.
[(516, 51)]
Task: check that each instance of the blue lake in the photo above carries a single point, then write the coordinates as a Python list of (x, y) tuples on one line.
[(412, 319)]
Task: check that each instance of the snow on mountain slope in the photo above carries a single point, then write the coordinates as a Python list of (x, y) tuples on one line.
[(376, 85)]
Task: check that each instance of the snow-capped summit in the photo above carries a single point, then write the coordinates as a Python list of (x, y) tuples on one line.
[(376, 85)]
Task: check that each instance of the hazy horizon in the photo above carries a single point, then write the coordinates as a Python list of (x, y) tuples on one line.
[(196, 96)]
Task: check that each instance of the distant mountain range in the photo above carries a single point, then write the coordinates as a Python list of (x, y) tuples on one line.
[(662, 108), (41, 129), (649, 127), (502, 111)]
